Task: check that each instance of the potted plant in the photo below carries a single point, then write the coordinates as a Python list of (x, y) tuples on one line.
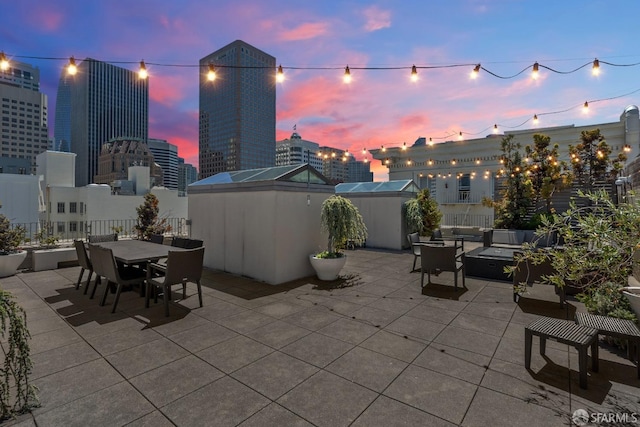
[(343, 223), (149, 221), (11, 256), (422, 213)]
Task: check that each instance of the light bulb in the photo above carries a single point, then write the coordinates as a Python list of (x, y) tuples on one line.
[(475, 72), (280, 74), (4, 62), (211, 75), (585, 107), (535, 119), (404, 145), (535, 72), (430, 141), (142, 72), (414, 74), (595, 69), (460, 137), (347, 75), (72, 69), (495, 128)]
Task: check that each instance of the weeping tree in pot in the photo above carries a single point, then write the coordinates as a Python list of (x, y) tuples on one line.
[(344, 224), (17, 395)]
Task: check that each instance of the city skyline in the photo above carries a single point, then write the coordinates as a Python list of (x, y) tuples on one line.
[(381, 106)]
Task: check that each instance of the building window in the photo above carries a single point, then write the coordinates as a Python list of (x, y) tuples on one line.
[(464, 188), (73, 226), (73, 207), (81, 208), (60, 228), (60, 207)]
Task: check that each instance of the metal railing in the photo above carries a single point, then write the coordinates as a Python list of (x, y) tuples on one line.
[(459, 197), (67, 231), (465, 220)]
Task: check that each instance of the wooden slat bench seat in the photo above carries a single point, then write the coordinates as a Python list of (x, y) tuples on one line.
[(564, 331), (614, 327)]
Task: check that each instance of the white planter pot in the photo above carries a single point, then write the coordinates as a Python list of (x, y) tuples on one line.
[(633, 295), (327, 268), (9, 263)]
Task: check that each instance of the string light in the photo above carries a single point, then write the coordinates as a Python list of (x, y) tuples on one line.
[(431, 141), (72, 69), (383, 149), (404, 146), (475, 72), (495, 129), (460, 137), (595, 64), (364, 151), (280, 74), (535, 119), (211, 75), (414, 74), (585, 107), (535, 72), (627, 148), (595, 69), (4, 62), (347, 75), (142, 73)]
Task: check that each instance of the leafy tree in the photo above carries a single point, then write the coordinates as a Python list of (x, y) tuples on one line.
[(148, 221), (597, 251), (590, 159), (546, 172), (516, 197), (422, 213), (10, 237)]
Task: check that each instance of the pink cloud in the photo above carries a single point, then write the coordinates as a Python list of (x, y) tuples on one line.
[(376, 18), (46, 18), (167, 89), (305, 31)]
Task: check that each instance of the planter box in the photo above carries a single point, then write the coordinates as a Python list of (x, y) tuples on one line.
[(48, 259)]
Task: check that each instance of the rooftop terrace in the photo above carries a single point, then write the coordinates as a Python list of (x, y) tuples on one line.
[(370, 349)]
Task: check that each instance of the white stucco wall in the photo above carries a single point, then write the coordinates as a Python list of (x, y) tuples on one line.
[(382, 214), (263, 231), (19, 197)]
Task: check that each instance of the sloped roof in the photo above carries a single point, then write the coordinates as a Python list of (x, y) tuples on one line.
[(290, 173), (404, 185)]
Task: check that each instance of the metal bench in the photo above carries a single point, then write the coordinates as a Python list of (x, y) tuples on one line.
[(566, 332), (614, 327)]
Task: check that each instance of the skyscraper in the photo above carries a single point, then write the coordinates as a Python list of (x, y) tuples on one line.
[(106, 102), (237, 110), (23, 116), (166, 155), (187, 174), (62, 125)]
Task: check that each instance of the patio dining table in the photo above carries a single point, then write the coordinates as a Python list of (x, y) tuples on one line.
[(138, 251)]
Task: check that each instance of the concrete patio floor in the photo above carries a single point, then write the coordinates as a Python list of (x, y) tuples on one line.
[(372, 349)]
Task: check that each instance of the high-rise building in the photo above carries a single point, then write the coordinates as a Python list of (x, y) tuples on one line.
[(237, 110), (166, 155), (62, 125), (105, 102), (187, 174), (295, 151), (118, 154), (341, 166), (23, 114)]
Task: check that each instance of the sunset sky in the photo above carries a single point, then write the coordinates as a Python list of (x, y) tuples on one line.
[(380, 107)]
